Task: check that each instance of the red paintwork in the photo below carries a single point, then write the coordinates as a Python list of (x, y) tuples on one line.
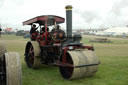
[(65, 49), (43, 20), (64, 56), (34, 35), (43, 37)]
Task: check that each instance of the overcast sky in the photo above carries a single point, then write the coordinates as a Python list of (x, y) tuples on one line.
[(86, 13)]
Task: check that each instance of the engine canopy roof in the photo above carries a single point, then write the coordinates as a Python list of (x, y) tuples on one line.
[(50, 19)]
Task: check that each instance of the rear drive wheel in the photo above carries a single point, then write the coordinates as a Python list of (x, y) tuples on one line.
[(32, 54)]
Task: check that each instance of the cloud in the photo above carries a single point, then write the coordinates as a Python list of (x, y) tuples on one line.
[(117, 16), (89, 16), (1, 3), (110, 14), (86, 13), (118, 6)]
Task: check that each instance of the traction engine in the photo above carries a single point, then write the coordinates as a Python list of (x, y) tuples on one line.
[(57, 48)]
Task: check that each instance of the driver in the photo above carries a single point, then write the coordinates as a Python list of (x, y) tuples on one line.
[(33, 29), (33, 32)]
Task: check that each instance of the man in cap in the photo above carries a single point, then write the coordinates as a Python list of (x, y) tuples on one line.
[(33, 29), (33, 32)]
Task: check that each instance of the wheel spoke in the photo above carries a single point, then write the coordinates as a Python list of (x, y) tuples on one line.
[(31, 55)]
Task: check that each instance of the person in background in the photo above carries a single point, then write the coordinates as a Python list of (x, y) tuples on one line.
[(57, 27)]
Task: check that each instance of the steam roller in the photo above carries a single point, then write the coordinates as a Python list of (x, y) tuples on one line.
[(59, 48), (81, 60), (10, 67)]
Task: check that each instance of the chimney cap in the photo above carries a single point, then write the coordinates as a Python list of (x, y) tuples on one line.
[(68, 7)]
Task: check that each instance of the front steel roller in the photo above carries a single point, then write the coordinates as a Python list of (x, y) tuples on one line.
[(84, 62), (32, 53), (13, 69)]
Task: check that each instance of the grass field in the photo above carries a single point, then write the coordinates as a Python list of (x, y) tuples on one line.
[(113, 69)]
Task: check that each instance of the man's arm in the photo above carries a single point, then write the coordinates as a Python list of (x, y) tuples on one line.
[(36, 28)]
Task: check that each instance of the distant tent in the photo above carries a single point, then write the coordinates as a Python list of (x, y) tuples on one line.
[(8, 29), (117, 30)]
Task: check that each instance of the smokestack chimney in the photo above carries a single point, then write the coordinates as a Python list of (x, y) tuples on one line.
[(69, 21)]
